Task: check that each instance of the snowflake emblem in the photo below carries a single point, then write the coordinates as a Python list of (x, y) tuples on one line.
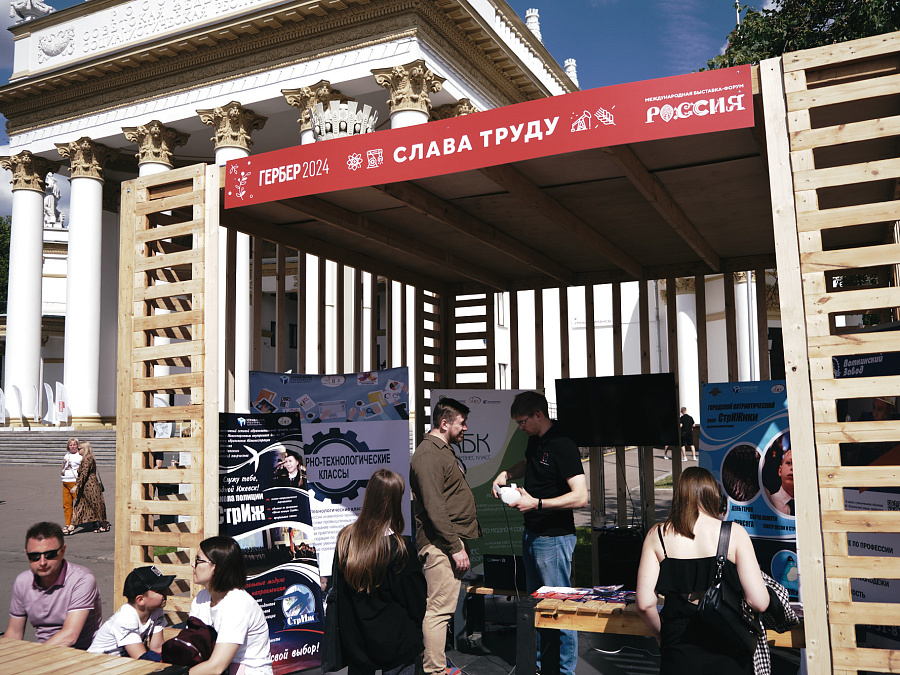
[(354, 161)]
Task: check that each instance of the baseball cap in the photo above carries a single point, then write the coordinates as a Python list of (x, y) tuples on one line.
[(143, 579)]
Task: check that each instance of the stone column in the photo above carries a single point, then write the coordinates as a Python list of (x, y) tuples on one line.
[(410, 85), (233, 124), (745, 320), (156, 145), (305, 99), (22, 363), (87, 160)]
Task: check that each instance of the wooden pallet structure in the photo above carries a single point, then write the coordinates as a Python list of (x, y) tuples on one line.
[(167, 298), (832, 137)]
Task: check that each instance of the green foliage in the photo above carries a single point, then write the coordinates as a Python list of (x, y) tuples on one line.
[(5, 226), (792, 25)]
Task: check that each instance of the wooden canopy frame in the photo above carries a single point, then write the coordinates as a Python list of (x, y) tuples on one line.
[(810, 191)]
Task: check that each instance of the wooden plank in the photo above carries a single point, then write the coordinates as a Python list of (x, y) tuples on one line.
[(860, 476), (209, 399), (865, 48), (858, 432), (166, 260), (860, 521), (190, 444), (844, 93), (419, 360), (514, 339), (321, 329), (862, 567), (168, 382), (852, 302), (357, 332), (491, 342), (850, 259), (152, 234), (672, 327), (590, 333), (848, 174), (167, 414), (787, 252), (850, 344), (857, 659), (175, 507), (144, 208), (861, 214), (167, 475), (886, 614), (564, 331), (618, 365), (856, 387), (339, 330), (173, 290), (189, 540), (172, 319), (229, 341), (168, 351), (301, 312), (851, 132)]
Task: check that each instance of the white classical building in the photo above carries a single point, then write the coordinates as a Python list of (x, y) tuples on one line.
[(109, 90)]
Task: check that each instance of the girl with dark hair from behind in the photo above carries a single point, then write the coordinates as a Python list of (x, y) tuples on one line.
[(678, 561), (380, 585)]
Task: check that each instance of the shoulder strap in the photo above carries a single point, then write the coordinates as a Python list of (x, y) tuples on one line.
[(722, 551), (662, 543)]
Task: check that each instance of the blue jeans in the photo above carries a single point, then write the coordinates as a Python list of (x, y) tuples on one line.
[(548, 562)]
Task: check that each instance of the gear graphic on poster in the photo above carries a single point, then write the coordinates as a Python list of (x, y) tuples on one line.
[(321, 441)]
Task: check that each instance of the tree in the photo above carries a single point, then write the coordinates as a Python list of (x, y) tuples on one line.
[(5, 226), (792, 25)]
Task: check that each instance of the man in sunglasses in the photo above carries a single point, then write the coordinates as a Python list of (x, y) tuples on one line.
[(59, 598)]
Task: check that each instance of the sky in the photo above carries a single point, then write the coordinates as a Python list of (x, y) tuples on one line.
[(612, 41)]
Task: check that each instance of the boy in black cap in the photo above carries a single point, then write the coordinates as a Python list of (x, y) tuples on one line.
[(136, 629)]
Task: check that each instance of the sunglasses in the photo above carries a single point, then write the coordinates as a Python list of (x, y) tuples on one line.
[(34, 556)]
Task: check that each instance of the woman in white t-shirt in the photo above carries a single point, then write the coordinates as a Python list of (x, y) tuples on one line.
[(242, 645), (69, 475)]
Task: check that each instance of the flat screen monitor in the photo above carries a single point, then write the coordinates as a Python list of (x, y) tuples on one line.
[(619, 410)]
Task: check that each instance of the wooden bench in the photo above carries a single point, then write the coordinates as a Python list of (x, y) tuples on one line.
[(19, 656)]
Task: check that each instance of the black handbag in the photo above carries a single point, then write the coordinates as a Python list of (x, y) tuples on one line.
[(332, 655), (723, 607)]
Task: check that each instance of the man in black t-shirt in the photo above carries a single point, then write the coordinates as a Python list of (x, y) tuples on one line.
[(554, 485), (687, 435)]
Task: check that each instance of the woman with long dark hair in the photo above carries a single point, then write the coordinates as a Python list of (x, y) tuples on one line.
[(242, 645), (380, 585), (679, 562)]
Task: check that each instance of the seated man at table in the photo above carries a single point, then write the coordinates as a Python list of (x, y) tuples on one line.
[(59, 598)]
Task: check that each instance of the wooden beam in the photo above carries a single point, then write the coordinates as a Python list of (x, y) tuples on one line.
[(731, 345), (301, 312), (590, 336), (700, 313), (445, 212), (661, 199), (294, 238), (361, 226), (517, 184), (280, 334), (762, 325), (539, 338), (322, 306), (513, 340)]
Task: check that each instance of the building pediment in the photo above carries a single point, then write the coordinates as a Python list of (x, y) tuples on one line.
[(103, 49)]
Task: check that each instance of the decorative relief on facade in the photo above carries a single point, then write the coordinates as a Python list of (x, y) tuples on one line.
[(156, 142), (54, 44), (233, 124), (685, 286), (342, 119), (52, 217), (773, 299), (305, 99), (87, 159), (443, 112), (410, 85), (311, 40), (28, 170), (27, 10), (112, 196)]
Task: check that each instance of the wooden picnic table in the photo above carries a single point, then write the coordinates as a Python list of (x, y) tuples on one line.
[(595, 617), (20, 656)]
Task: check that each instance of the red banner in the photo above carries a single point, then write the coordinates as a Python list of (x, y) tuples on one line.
[(683, 105)]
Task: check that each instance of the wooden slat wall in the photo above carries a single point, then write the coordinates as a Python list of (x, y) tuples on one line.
[(473, 321), (192, 196), (824, 159)]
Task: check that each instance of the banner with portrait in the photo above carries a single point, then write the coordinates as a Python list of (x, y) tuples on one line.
[(492, 443), (353, 425), (745, 442), (264, 505)]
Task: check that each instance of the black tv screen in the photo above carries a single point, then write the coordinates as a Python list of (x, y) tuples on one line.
[(619, 410)]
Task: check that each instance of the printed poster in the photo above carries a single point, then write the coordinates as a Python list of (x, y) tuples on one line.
[(353, 425), (492, 444), (264, 505), (745, 442)]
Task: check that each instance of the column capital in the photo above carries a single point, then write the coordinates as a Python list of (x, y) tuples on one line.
[(156, 142), (305, 99), (233, 124), (87, 159), (409, 85), (443, 112), (29, 170)]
